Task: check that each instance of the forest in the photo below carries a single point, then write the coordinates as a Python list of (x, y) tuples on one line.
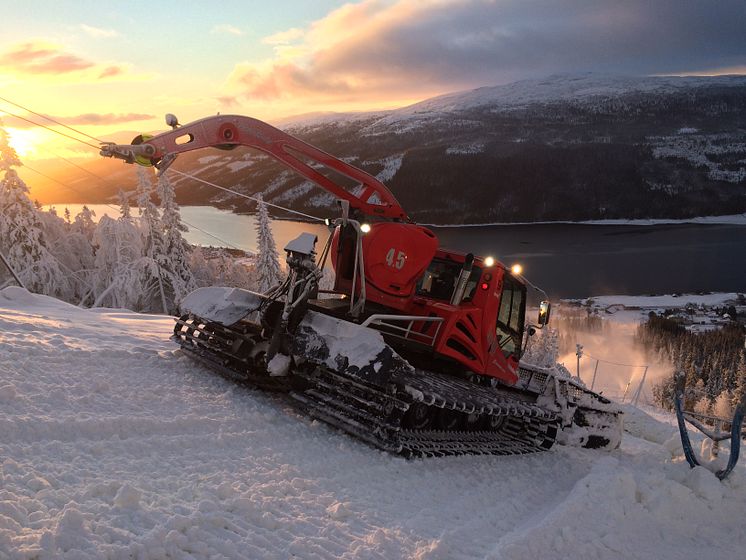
[(139, 262), (714, 362)]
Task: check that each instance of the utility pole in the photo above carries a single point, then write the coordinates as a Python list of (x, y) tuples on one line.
[(579, 354), (595, 371)]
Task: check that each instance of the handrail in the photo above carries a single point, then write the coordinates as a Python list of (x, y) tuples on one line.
[(381, 318)]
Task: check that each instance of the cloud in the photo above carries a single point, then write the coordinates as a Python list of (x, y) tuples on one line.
[(224, 28), (378, 50), (111, 71), (31, 58), (98, 32), (76, 120), (46, 60), (284, 37)]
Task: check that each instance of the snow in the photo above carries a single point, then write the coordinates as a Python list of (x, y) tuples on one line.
[(115, 445), (222, 305), (359, 345), (589, 90), (236, 166)]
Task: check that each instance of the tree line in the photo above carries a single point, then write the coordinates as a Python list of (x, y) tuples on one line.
[(714, 363), (142, 262)]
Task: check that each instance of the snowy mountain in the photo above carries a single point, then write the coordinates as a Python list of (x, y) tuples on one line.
[(566, 147), (115, 445)]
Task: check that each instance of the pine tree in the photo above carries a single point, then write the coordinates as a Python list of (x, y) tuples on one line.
[(153, 292), (124, 204), (174, 258), (739, 394), (268, 262), (21, 231)]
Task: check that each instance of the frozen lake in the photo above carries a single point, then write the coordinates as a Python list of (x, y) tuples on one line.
[(566, 260)]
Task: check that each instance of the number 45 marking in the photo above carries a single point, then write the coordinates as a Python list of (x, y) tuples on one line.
[(396, 259)]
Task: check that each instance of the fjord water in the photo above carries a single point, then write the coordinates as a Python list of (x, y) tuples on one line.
[(566, 260)]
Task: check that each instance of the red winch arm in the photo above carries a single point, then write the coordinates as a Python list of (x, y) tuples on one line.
[(229, 131)]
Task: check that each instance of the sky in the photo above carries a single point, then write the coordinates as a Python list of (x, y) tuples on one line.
[(108, 67)]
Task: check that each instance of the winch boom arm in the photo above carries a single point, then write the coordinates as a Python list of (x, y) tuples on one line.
[(228, 131)]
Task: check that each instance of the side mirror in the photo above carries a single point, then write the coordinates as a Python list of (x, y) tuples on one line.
[(545, 309)]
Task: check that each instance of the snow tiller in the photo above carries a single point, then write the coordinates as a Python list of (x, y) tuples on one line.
[(416, 350)]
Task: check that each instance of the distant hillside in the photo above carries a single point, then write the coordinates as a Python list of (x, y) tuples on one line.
[(568, 147)]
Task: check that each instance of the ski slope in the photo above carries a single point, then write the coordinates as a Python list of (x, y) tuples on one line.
[(114, 445)]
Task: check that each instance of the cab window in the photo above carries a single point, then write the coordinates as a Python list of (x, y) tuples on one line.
[(440, 279)]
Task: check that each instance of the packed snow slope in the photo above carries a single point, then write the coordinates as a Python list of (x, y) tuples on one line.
[(115, 445)]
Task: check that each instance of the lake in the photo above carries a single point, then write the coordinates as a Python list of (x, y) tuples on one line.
[(566, 260)]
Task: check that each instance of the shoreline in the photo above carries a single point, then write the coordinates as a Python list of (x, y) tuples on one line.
[(728, 219)]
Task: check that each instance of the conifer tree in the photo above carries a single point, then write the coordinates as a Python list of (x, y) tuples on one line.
[(739, 394), (21, 231), (174, 256), (124, 204), (154, 297), (268, 264)]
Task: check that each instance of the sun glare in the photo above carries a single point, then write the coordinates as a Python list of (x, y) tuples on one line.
[(23, 141)]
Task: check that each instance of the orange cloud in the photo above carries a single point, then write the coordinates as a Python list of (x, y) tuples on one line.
[(45, 60), (111, 71), (29, 58)]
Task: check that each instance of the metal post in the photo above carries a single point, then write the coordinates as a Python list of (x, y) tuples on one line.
[(579, 354), (12, 272), (639, 388), (624, 396), (595, 371)]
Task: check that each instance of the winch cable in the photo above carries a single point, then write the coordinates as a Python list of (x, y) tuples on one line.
[(246, 196), (236, 193)]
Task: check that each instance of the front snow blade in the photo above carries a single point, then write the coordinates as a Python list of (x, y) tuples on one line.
[(225, 306)]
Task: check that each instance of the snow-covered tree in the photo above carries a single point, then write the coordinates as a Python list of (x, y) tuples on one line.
[(174, 255), (739, 394), (118, 258), (723, 405), (268, 268), (153, 296), (124, 204), (74, 250), (221, 269), (21, 231)]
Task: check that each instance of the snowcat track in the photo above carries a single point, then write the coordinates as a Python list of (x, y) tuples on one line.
[(375, 415), (215, 346)]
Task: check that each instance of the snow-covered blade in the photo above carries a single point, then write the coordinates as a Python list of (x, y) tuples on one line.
[(226, 306)]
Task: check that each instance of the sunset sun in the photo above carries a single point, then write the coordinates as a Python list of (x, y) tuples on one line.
[(24, 142)]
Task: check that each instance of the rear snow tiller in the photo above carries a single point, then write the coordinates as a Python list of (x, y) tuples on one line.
[(715, 434), (418, 350)]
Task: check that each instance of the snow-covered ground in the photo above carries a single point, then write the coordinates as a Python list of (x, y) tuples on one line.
[(115, 445)]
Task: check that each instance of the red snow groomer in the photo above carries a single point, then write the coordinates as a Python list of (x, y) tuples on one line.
[(418, 349)]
